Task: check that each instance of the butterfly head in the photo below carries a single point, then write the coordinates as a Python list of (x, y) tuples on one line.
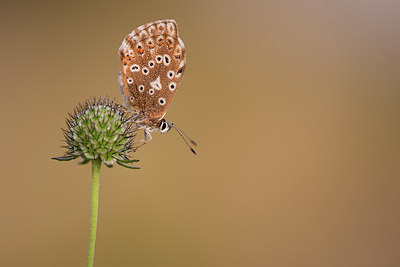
[(164, 126)]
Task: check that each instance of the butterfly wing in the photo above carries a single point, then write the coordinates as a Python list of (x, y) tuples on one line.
[(152, 65)]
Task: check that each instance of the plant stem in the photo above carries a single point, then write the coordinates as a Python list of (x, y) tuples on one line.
[(95, 208)]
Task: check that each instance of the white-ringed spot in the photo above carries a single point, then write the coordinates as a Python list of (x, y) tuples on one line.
[(129, 80), (167, 60), (141, 88), (158, 58), (145, 71), (171, 74), (151, 91), (131, 98), (162, 101), (135, 68), (151, 64), (172, 86)]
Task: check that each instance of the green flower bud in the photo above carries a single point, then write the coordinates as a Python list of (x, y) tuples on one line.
[(100, 129)]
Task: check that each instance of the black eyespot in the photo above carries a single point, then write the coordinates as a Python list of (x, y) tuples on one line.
[(145, 70), (163, 126), (166, 60), (134, 67), (172, 86), (161, 101), (180, 71), (151, 64)]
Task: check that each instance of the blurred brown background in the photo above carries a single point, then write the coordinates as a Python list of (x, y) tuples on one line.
[(295, 106)]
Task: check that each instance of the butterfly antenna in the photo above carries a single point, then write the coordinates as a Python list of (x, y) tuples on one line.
[(187, 136), (179, 132)]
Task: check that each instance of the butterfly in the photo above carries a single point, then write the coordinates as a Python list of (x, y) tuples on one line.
[(153, 61)]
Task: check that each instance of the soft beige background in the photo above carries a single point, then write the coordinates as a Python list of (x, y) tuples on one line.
[(295, 106)]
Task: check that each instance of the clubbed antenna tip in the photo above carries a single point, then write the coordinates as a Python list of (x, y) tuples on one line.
[(183, 135)]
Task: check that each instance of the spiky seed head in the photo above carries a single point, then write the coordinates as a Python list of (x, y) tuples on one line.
[(99, 129)]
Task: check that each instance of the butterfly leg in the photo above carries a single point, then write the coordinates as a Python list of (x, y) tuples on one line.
[(147, 138)]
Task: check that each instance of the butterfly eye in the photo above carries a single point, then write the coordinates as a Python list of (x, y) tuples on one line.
[(164, 127)]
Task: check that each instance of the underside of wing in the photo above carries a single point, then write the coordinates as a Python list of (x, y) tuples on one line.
[(152, 64)]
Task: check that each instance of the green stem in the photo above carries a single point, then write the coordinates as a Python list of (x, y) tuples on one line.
[(95, 208)]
